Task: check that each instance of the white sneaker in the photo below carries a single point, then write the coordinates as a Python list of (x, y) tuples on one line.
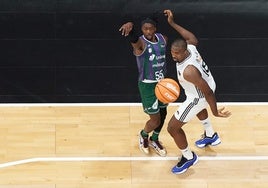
[(158, 148), (143, 144)]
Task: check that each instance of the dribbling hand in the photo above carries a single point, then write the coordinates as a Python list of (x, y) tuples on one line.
[(222, 113)]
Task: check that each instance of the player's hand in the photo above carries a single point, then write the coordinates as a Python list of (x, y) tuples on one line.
[(222, 113), (126, 28), (169, 15)]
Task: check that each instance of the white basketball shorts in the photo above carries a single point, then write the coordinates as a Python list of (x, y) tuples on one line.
[(190, 108)]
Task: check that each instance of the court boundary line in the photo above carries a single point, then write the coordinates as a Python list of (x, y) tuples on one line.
[(116, 104), (86, 159)]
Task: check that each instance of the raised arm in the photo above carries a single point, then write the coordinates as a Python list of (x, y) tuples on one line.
[(187, 35), (129, 32)]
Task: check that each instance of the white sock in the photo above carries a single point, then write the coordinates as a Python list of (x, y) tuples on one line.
[(187, 153), (208, 127)]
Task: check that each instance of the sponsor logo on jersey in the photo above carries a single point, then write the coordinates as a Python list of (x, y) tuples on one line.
[(151, 58), (159, 64), (160, 57)]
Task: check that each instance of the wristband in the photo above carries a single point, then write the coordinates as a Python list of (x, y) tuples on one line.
[(132, 36)]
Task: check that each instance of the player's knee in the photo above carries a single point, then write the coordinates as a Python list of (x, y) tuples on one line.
[(174, 126)]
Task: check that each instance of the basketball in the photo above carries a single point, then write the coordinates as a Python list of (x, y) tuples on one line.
[(167, 90)]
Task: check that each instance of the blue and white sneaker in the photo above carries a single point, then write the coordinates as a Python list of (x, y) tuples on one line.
[(184, 164), (205, 140)]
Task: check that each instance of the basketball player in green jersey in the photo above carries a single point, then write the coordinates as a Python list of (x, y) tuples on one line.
[(150, 52)]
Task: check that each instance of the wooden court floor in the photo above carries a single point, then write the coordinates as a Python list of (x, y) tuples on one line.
[(84, 146)]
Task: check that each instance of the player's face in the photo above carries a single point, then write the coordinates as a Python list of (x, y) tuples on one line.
[(178, 54), (148, 31)]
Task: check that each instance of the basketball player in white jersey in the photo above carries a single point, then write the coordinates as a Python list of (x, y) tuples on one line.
[(199, 86)]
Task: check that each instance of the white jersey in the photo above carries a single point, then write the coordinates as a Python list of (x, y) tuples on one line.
[(196, 60)]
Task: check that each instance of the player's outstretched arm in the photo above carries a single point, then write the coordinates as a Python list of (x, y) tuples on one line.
[(130, 33), (187, 35)]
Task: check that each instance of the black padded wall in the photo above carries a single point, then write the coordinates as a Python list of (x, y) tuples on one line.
[(72, 51)]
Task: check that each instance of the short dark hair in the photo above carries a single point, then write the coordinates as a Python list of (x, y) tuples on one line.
[(149, 20), (152, 18), (180, 43)]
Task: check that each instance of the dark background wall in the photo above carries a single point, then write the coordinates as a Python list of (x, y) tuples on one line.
[(72, 51)]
